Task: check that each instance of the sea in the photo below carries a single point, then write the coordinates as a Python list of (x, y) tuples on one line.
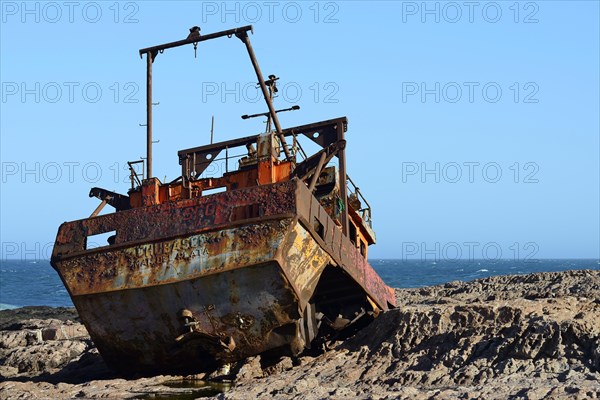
[(35, 283)]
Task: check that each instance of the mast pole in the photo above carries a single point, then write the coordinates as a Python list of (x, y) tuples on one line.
[(212, 127), (149, 60), (343, 177), (243, 36)]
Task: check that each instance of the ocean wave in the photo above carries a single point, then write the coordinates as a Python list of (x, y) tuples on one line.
[(483, 270), (7, 307)]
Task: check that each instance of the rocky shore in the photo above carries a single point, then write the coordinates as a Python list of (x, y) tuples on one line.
[(531, 336)]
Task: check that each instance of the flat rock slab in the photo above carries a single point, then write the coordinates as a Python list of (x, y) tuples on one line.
[(10, 317)]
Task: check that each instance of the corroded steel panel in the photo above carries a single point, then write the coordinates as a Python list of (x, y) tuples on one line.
[(343, 251), (303, 260), (171, 219), (136, 330), (173, 260), (245, 285)]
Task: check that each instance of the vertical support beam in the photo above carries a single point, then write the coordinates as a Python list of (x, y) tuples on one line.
[(243, 36), (149, 60), (343, 179)]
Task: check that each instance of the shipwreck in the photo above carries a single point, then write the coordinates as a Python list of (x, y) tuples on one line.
[(271, 264)]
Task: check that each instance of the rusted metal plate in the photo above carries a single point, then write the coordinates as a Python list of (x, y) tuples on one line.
[(136, 330), (248, 284), (342, 250), (302, 260), (178, 219), (179, 259), (173, 219)]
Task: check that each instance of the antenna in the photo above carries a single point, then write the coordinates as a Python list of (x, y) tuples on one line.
[(212, 127)]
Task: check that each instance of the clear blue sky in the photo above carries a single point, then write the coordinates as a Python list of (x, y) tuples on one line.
[(499, 101)]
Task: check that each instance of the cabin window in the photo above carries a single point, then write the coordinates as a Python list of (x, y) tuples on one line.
[(207, 192), (100, 240), (318, 227), (352, 233), (363, 248)]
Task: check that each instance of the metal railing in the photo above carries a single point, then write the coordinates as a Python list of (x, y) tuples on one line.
[(363, 211), (133, 175)]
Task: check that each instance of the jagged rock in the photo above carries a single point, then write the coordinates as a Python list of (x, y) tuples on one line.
[(7, 371), (250, 369), (222, 373), (16, 316), (284, 364), (520, 336), (44, 357)]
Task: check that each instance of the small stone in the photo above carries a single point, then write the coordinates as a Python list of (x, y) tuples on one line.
[(249, 370)]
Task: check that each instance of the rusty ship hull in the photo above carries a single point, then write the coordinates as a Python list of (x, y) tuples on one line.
[(273, 263), (188, 283)]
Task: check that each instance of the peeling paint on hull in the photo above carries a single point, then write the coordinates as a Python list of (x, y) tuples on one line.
[(135, 330)]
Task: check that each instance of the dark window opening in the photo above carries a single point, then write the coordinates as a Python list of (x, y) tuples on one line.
[(208, 192), (318, 227), (352, 233)]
